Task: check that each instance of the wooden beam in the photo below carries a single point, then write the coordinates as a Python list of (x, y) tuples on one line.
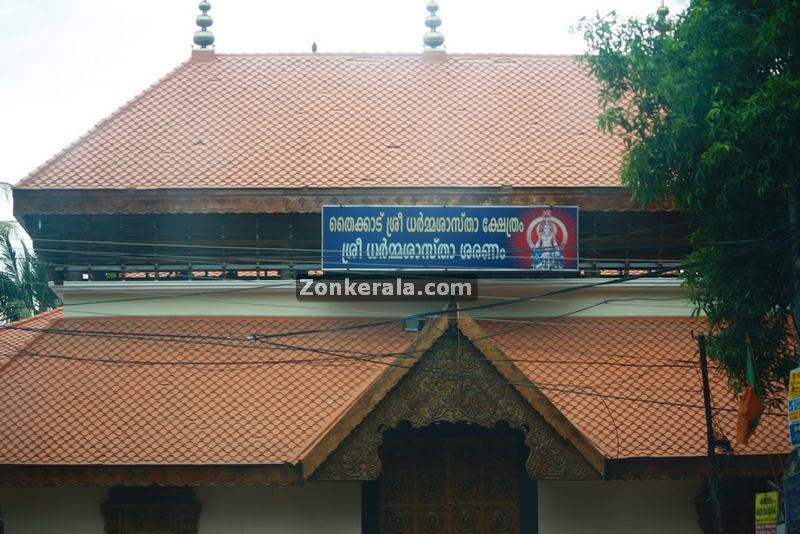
[(695, 467), (77, 201), (149, 475)]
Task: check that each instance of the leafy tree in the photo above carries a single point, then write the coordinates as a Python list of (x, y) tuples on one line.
[(708, 107), (23, 277)]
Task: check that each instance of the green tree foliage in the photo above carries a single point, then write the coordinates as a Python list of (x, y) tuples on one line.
[(23, 277), (23, 280), (709, 111)]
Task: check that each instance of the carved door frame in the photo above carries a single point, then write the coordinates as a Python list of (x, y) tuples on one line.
[(373, 511)]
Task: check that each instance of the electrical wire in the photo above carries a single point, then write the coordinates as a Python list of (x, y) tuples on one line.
[(261, 338), (369, 358), (284, 261), (421, 315), (589, 239), (172, 337)]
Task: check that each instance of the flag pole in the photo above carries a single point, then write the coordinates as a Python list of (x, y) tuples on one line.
[(713, 480)]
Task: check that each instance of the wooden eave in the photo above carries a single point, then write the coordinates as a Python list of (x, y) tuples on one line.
[(626, 469), (750, 465), (149, 475), (28, 201)]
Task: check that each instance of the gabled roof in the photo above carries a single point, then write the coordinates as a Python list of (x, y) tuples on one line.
[(170, 391), (349, 121), (574, 449)]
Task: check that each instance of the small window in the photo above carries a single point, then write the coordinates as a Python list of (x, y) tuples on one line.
[(151, 511)]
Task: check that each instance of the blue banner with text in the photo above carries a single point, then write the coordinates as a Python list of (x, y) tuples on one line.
[(443, 238)]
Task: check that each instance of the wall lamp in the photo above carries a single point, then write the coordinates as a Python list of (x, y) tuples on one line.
[(413, 324)]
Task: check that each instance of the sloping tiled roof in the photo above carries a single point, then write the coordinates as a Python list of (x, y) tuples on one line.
[(292, 121), (631, 385), (200, 410)]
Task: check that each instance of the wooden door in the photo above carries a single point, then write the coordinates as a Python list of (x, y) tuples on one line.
[(450, 485)]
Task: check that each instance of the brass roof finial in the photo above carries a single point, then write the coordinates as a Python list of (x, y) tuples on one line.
[(433, 38), (661, 23), (204, 38)]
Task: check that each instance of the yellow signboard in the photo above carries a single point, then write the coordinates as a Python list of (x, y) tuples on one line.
[(794, 384), (767, 508)]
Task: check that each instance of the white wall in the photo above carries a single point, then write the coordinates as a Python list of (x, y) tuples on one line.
[(315, 508), (648, 297), (654, 507)]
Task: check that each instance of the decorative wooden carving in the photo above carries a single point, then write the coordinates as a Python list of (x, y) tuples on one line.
[(151, 511), (454, 383)]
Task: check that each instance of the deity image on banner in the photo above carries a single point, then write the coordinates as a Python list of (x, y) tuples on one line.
[(546, 252)]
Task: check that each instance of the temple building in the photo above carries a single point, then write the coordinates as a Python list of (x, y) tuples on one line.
[(183, 387)]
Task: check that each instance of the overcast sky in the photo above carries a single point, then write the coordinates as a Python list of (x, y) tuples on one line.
[(66, 64)]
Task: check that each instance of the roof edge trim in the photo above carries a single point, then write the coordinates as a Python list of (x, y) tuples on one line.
[(29, 201), (149, 475), (528, 390), (320, 447)]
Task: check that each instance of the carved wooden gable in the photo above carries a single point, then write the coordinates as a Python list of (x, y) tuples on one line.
[(454, 382)]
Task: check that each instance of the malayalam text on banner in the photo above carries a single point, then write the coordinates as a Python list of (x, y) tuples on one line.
[(442, 238), (766, 512)]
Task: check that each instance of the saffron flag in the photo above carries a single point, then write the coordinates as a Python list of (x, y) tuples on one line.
[(750, 405)]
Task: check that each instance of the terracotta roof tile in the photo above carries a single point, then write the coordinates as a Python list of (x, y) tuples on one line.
[(62, 411), (591, 369), (13, 341), (291, 121), (126, 408)]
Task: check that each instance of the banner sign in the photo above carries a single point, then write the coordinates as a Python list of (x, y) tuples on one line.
[(766, 512), (444, 238), (793, 405), (791, 500)]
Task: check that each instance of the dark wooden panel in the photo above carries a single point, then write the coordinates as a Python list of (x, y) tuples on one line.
[(451, 485), (49, 201)]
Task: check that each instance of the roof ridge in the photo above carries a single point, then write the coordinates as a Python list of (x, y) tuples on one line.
[(456, 55), (601, 318), (101, 124), (38, 316), (232, 317)]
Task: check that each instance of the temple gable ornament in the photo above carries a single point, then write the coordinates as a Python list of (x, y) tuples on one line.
[(454, 382)]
